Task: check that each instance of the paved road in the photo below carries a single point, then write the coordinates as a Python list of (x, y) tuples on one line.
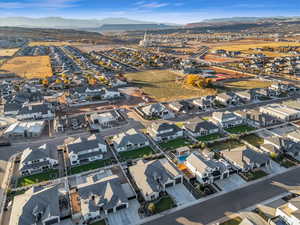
[(215, 208)]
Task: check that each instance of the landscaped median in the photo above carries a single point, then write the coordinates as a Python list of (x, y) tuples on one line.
[(37, 178), (90, 166), (174, 144), (239, 129), (135, 154)]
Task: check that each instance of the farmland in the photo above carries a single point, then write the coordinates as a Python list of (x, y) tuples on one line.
[(161, 85), (8, 52), (29, 66)]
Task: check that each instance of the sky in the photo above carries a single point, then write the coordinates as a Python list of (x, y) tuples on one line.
[(166, 11)]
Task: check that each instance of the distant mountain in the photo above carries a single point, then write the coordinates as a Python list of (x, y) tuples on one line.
[(131, 27), (59, 22)]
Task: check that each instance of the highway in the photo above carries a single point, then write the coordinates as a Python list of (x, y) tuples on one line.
[(216, 208)]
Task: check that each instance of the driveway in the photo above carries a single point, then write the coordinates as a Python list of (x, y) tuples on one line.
[(274, 168), (180, 194), (126, 216), (233, 182)]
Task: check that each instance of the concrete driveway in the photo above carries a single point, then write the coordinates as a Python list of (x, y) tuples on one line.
[(274, 168), (233, 182), (180, 194), (126, 216)]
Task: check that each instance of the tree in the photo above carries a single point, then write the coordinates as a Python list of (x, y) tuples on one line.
[(151, 207)]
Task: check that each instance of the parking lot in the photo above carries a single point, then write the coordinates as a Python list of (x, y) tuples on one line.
[(180, 194), (232, 182), (126, 216)]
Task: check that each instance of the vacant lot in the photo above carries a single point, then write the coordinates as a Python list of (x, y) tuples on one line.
[(243, 47), (248, 84), (161, 85), (29, 66), (48, 43), (8, 52)]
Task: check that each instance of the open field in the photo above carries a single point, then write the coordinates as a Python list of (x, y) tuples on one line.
[(248, 84), (246, 46), (161, 85), (51, 43), (220, 59), (8, 52), (29, 66)]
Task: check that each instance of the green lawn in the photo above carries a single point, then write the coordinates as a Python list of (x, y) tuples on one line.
[(90, 166), (173, 144), (234, 221), (283, 161), (254, 175), (135, 154), (209, 137), (164, 204), (254, 140), (101, 222), (229, 144), (239, 129), (37, 178)]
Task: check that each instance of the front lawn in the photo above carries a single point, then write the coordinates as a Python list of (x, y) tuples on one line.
[(283, 161), (90, 166), (37, 178), (254, 140), (223, 145), (164, 204), (234, 221), (209, 137), (254, 175), (137, 153), (173, 144), (101, 222), (239, 129)]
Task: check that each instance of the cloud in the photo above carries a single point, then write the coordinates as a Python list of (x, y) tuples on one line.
[(38, 4), (150, 5)]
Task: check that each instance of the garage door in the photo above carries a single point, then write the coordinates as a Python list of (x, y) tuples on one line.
[(121, 207), (169, 185), (110, 210), (178, 180)]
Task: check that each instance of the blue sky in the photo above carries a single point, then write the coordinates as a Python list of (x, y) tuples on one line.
[(171, 11)]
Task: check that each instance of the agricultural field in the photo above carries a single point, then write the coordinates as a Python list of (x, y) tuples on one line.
[(8, 52), (161, 85), (248, 84), (29, 66)]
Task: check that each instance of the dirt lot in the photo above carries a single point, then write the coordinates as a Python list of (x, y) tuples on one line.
[(51, 43), (8, 52), (29, 66), (248, 84), (219, 59), (161, 85)]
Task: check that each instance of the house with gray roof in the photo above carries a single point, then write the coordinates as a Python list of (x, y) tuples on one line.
[(246, 159), (198, 127), (205, 102), (289, 212), (129, 140), (164, 131), (84, 150), (40, 206), (37, 160), (246, 96), (226, 119), (155, 176), (157, 110), (34, 111), (12, 108), (207, 170), (101, 192), (227, 99)]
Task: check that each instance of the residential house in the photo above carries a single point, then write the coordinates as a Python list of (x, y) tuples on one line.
[(207, 170), (246, 96), (85, 150), (25, 129), (281, 87), (164, 131), (226, 119), (205, 103), (105, 118), (227, 99), (35, 111), (281, 112), (290, 211), (256, 118), (266, 92), (180, 106), (198, 127), (153, 177), (157, 110), (246, 159), (129, 140), (40, 205), (37, 160), (12, 108)]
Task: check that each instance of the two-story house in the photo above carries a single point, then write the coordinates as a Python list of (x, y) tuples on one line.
[(164, 131)]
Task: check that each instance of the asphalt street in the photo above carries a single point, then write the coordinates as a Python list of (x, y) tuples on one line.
[(216, 208)]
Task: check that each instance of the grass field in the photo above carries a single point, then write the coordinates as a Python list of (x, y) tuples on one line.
[(90, 166), (8, 52), (37, 178), (161, 85), (29, 66), (135, 154), (239, 129), (248, 84), (209, 137), (173, 144)]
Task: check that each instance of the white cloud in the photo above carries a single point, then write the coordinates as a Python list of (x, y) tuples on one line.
[(38, 4)]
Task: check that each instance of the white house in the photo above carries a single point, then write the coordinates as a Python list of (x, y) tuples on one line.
[(290, 212)]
